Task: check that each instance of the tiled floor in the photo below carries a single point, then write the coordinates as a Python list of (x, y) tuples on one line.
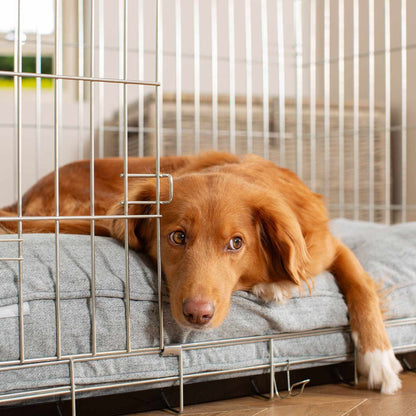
[(328, 400)]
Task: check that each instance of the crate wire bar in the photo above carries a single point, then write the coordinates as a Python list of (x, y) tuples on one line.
[(275, 64)]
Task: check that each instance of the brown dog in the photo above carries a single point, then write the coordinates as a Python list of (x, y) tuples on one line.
[(234, 224)]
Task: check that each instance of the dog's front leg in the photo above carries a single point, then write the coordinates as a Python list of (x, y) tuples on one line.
[(376, 359)]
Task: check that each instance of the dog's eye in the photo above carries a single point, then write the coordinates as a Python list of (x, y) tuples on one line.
[(235, 244), (177, 237)]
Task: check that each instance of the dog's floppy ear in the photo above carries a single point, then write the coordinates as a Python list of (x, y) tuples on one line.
[(145, 191), (282, 242)]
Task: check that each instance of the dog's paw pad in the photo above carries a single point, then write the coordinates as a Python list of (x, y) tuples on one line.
[(381, 367)]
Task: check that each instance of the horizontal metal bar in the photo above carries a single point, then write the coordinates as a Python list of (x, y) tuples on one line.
[(262, 338), (266, 366), (107, 356), (11, 240), (33, 362), (221, 58), (363, 55), (12, 259), (345, 356), (404, 348), (81, 358), (400, 322), (146, 202), (75, 78), (229, 371), (257, 133), (145, 175), (54, 391), (78, 217), (395, 207), (238, 133), (287, 335)]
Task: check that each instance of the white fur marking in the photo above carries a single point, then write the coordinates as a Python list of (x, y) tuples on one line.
[(279, 292), (381, 368)]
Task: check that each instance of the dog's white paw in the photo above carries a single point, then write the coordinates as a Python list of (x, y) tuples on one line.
[(381, 368), (279, 292)]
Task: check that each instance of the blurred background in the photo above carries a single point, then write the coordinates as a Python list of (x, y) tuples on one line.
[(323, 87)]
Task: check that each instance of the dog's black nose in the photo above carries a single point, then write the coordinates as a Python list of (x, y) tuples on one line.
[(198, 311)]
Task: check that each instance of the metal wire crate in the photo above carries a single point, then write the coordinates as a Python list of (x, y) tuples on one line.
[(284, 79)]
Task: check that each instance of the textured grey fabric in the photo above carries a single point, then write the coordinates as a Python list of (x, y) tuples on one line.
[(387, 253)]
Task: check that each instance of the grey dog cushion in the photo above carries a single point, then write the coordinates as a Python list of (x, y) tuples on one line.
[(388, 253)]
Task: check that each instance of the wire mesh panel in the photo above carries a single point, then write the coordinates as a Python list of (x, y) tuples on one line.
[(274, 78), (317, 86), (57, 141), (291, 82)]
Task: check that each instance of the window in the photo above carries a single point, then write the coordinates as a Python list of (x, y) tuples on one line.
[(37, 25), (36, 16)]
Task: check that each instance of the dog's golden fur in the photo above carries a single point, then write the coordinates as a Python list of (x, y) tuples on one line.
[(283, 227)]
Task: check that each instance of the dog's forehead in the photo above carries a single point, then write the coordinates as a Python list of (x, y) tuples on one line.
[(216, 199), (208, 188)]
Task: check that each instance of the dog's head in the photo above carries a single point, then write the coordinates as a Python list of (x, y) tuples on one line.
[(220, 234)]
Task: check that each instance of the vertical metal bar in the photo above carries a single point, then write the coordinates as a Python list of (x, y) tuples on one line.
[(288, 376), (355, 365), (272, 381), (265, 65), (341, 107), (356, 106), (282, 93), (16, 99), (159, 62), (160, 77), (299, 86), (58, 69), (249, 77), (120, 74), (179, 78), (231, 45), (80, 73), (140, 28), (125, 177), (73, 392), (61, 60), (404, 109), (312, 92), (18, 82), (197, 109), (214, 70), (327, 99), (92, 172), (38, 101), (181, 396), (371, 103), (387, 115), (101, 65)]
